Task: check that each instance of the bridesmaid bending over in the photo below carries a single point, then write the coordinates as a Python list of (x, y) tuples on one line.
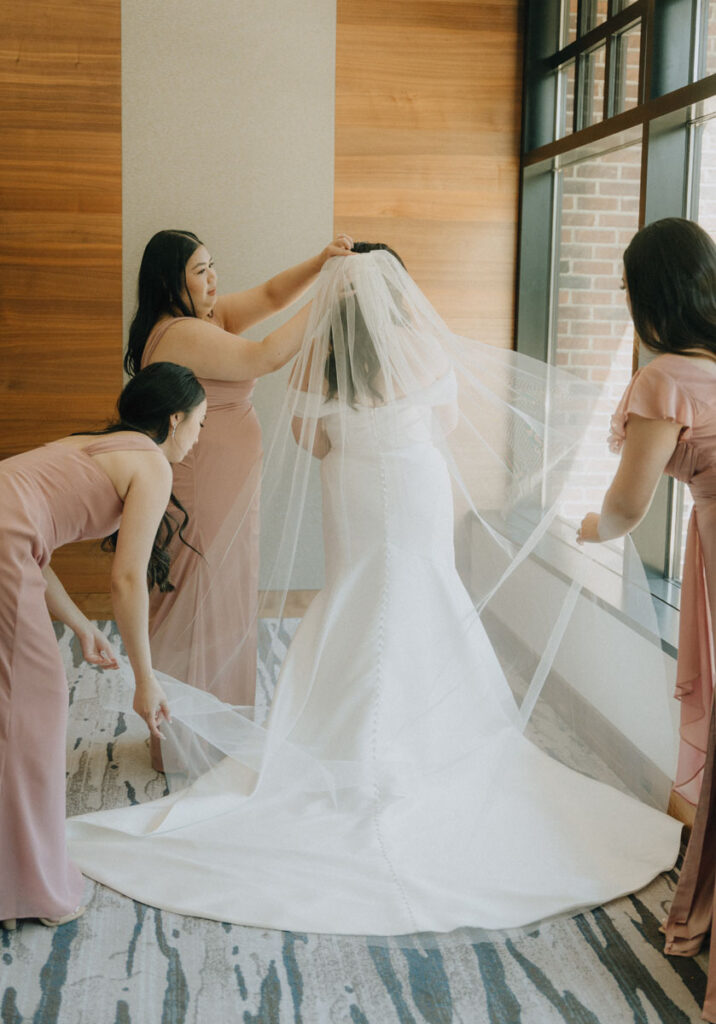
[(666, 423), (204, 632), (79, 487)]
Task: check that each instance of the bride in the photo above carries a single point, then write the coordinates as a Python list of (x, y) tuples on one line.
[(392, 788)]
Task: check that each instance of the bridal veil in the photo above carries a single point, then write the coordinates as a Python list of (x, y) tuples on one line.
[(415, 481)]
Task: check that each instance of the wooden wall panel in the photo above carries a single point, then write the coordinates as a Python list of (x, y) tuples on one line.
[(428, 100), (60, 215)]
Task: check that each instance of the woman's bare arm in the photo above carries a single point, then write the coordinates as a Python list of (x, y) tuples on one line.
[(648, 446), (316, 441), (144, 505), (240, 310), (96, 648), (219, 355)]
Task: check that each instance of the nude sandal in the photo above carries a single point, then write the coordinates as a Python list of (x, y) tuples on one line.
[(49, 922)]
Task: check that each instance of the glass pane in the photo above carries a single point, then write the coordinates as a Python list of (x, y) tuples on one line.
[(569, 21), (591, 86), (627, 46), (707, 47), (594, 335), (565, 116), (705, 212), (594, 12)]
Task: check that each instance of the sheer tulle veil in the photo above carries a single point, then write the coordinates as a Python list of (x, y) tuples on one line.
[(509, 429), (387, 409)]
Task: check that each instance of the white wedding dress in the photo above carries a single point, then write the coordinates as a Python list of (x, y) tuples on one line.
[(393, 790)]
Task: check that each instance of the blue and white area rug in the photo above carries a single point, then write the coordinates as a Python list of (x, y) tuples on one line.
[(125, 963)]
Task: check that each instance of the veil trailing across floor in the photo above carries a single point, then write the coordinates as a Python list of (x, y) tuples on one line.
[(412, 490)]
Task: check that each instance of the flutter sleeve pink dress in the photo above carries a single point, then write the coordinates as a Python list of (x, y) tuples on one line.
[(683, 390), (204, 631), (48, 497)]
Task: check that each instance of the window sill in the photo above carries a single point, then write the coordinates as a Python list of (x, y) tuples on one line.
[(558, 554)]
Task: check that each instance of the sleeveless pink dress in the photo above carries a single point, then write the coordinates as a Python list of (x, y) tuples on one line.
[(204, 631), (48, 497), (678, 388)]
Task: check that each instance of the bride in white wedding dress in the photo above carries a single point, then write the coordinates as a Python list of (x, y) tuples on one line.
[(392, 789)]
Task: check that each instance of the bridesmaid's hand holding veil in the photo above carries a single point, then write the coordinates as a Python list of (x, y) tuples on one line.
[(588, 532), (340, 245), (150, 703)]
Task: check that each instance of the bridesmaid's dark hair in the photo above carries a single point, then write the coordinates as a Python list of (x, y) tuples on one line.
[(364, 358), (670, 271), (160, 289), (144, 406)]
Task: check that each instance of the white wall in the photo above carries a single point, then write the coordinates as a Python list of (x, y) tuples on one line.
[(227, 131)]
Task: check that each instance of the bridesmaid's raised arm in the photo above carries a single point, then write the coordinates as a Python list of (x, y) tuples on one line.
[(215, 354), (240, 310)]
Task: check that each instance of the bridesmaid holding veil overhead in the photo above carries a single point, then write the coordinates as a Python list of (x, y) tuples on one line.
[(204, 632), (393, 788)]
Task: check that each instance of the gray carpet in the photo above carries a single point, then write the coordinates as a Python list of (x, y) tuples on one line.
[(125, 963)]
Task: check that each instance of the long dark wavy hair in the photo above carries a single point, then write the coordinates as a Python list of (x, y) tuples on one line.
[(161, 289), (670, 270), (144, 406), (364, 361)]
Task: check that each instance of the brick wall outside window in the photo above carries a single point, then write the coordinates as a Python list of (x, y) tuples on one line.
[(600, 214)]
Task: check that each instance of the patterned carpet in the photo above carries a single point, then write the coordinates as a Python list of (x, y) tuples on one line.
[(125, 963)]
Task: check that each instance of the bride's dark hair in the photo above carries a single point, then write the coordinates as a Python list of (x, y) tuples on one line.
[(144, 406), (362, 366), (374, 247), (161, 288)]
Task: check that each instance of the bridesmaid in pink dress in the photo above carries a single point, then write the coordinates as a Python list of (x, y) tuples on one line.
[(204, 632), (77, 488), (666, 423)]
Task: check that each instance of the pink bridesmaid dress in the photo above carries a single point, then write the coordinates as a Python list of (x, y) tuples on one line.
[(48, 497), (204, 631), (680, 389)]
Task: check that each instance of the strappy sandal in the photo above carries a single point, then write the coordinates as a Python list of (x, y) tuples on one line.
[(10, 924), (55, 922)]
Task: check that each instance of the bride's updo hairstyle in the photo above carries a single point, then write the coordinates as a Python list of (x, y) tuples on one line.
[(161, 289), (362, 364), (359, 247), (145, 406), (670, 270)]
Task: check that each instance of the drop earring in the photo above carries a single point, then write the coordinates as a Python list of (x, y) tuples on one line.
[(174, 430)]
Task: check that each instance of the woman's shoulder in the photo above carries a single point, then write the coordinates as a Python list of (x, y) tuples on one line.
[(180, 325), (661, 390), (692, 376), (190, 341), (681, 366), (115, 441)]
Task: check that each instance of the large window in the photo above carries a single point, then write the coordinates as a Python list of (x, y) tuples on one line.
[(619, 130)]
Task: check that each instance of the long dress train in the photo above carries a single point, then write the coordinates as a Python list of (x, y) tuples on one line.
[(395, 791)]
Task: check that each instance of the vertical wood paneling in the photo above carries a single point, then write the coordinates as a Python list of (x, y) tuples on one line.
[(427, 147), (60, 214)]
